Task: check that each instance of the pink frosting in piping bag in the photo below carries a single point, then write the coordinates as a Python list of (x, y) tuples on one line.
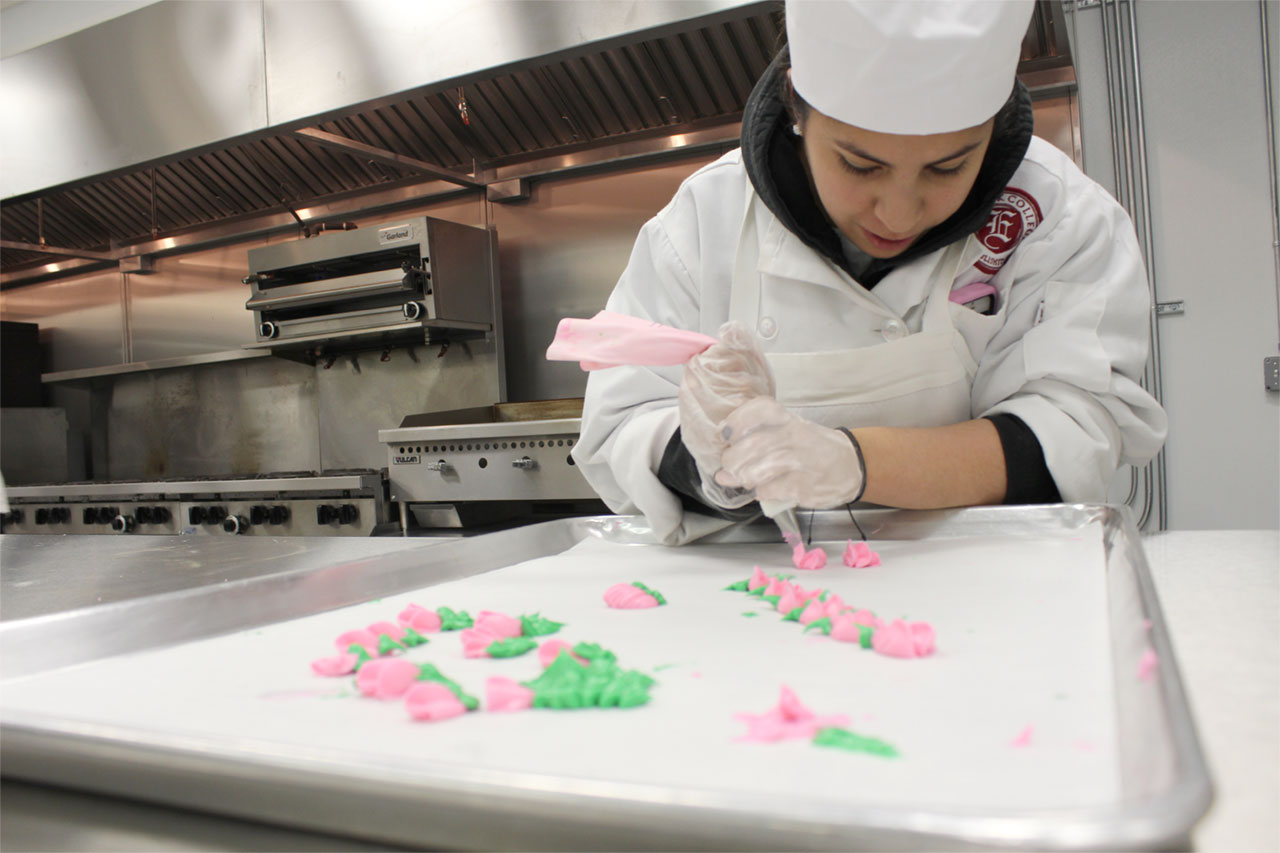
[(610, 340)]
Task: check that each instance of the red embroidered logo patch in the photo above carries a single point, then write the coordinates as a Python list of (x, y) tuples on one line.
[(1014, 216)]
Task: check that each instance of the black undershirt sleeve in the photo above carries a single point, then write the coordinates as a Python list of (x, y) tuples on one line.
[(1028, 477), (679, 472), (1029, 480)]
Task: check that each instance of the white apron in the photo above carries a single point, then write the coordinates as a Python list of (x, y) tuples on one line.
[(918, 380)]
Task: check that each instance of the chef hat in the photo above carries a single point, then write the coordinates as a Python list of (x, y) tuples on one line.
[(906, 66)]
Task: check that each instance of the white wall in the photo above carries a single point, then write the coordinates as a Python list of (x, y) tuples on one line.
[(1202, 77)]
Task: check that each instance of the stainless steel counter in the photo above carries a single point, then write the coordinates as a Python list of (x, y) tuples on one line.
[(40, 575)]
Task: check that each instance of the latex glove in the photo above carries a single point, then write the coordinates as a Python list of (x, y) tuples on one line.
[(786, 459), (715, 383)]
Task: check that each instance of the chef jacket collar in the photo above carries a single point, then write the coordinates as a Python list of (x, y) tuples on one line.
[(773, 163)]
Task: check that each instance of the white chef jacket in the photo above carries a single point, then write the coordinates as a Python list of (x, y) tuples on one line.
[(1064, 350)]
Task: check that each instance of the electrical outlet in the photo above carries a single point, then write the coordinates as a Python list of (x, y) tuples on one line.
[(1271, 372)]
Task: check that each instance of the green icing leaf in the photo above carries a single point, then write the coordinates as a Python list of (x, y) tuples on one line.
[(839, 738), (428, 672), (592, 651), (823, 625), (386, 645), (539, 626), (453, 621), (865, 633), (772, 599), (412, 638), (794, 615), (823, 595), (511, 647), (566, 684), (750, 613), (739, 586), (657, 595), (362, 657)]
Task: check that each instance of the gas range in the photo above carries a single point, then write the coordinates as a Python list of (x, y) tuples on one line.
[(290, 503)]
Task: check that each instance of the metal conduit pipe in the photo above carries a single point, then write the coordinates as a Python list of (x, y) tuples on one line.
[(1157, 384), (1271, 155), (1114, 120)]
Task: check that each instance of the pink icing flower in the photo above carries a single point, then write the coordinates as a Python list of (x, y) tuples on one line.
[(866, 617), (790, 719), (551, 649), (389, 628), (359, 637), (419, 619), (499, 624), (845, 628), (1023, 739), (901, 640), (923, 639), (788, 602), (832, 606), (806, 595), (1147, 665), (813, 611), (776, 587), (624, 596), (504, 694), (808, 560), (343, 664), (431, 700), (475, 641), (386, 678), (758, 579), (858, 555)]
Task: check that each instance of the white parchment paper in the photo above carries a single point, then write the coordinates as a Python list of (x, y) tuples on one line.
[(1023, 640)]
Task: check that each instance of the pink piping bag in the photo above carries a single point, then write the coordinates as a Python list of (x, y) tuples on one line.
[(611, 340)]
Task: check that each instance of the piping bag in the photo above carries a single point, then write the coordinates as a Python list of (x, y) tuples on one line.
[(610, 339)]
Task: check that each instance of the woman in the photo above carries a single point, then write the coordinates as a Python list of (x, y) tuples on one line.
[(919, 304)]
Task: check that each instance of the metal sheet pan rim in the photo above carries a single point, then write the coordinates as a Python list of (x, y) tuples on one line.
[(37, 749), (735, 821)]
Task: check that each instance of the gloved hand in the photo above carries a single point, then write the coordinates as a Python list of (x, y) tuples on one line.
[(788, 460), (715, 383)]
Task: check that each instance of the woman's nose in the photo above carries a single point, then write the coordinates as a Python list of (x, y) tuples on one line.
[(900, 211)]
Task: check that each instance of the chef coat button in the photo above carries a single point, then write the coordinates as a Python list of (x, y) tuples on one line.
[(768, 328), (894, 329)]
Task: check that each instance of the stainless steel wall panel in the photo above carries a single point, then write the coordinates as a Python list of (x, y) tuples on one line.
[(355, 400), (560, 254), (190, 305), (163, 79), (80, 319), (323, 57), (220, 419)]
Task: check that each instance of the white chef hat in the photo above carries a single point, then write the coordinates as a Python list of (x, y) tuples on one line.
[(906, 66)]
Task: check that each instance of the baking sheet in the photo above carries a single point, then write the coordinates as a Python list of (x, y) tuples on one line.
[(1027, 636)]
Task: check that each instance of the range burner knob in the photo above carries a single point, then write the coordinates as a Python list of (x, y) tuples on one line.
[(217, 514), (90, 515), (235, 524), (143, 515), (326, 514), (123, 524), (63, 514), (278, 514), (13, 516), (42, 516), (258, 514), (524, 463), (348, 514), (197, 515), (160, 515)]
